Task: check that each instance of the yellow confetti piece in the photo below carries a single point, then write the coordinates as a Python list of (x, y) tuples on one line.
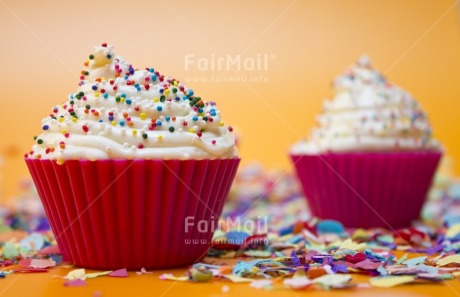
[(76, 274), (391, 281), (228, 255), (96, 274), (258, 254), (96, 94), (169, 276), (453, 230), (402, 259), (449, 260), (331, 280), (456, 273), (237, 279), (201, 274), (360, 234), (351, 269), (300, 273), (143, 116), (350, 245)]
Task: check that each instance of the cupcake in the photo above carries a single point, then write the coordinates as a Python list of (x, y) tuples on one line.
[(371, 159), (133, 168)]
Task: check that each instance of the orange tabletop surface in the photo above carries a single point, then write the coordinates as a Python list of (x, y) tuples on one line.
[(49, 284)]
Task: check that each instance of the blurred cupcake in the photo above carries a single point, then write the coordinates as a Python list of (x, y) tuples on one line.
[(371, 160), (133, 168)]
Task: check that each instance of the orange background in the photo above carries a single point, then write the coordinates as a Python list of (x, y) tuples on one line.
[(44, 43)]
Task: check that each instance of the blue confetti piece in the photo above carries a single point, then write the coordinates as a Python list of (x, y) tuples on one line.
[(279, 254), (374, 257), (295, 239), (330, 227), (295, 259), (455, 191), (415, 261), (56, 258), (43, 225), (236, 237), (242, 268), (287, 230), (455, 238), (428, 269), (382, 271), (34, 241), (342, 268)]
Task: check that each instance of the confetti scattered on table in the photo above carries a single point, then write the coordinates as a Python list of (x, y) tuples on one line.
[(274, 243)]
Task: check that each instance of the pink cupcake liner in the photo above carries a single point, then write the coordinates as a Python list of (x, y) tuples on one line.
[(367, 189), (112, 214)]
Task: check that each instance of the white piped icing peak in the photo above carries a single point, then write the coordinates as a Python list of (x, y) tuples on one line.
[(368, 114), (119, 112)]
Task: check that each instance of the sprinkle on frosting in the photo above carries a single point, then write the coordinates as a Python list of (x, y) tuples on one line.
[(120, 112), (368, 113)]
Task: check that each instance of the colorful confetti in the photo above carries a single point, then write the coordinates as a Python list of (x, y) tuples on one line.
[(284, 247)]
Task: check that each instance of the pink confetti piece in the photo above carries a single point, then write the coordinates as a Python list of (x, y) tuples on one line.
[(119, 273), (75, 283), (42, 263), (310, 254), (367, 265), (30, 270), (50, 250), (363, 286), (169, 276), (25, 262)]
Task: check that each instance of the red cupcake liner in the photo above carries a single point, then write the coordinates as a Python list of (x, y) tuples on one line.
[(111, 214), (367, 189)]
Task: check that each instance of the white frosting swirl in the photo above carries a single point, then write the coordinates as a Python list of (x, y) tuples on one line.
[(122, 113), (368, 114)]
